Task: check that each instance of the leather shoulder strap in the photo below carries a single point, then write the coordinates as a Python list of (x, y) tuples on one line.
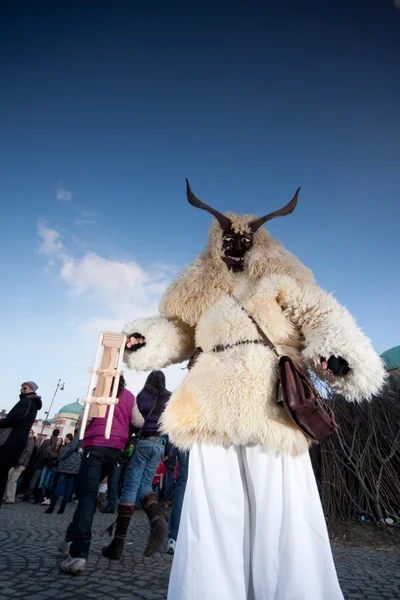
[(143, 427), (262, 334)]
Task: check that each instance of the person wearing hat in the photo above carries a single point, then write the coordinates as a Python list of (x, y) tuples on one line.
[(15, 428)]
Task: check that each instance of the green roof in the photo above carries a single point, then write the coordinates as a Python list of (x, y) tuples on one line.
[(392, 358), (74, 408)]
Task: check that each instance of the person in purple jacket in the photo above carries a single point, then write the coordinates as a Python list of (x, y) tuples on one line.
[(99, 456), (141, 469)]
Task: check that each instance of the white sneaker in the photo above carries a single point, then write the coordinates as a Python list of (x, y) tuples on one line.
[(171, 546), (64, 547), (46, 502), (72, 565)]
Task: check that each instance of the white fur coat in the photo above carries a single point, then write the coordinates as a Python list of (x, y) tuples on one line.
[(229, 397)]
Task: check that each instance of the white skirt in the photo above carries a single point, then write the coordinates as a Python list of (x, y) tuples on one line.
[(252, 528)]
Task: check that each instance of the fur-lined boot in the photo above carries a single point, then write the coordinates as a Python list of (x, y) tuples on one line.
[(158, 523), (115, 549)]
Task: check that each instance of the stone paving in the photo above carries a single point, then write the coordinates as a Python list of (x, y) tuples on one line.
[(29, 563)]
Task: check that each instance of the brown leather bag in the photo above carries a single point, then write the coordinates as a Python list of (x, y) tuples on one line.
[(301, 400)]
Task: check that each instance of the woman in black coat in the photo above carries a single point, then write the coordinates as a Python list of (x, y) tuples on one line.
[(15, 428)]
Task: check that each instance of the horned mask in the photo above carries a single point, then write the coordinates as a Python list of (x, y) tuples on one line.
[(237, 243)]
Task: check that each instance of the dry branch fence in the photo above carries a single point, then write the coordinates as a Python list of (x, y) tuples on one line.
[(358, 470)]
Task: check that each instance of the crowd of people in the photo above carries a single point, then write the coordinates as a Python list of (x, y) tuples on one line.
[(135, 467)]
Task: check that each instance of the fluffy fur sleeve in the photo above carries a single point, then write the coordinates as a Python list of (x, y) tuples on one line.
[(167, 342), (328, 329)]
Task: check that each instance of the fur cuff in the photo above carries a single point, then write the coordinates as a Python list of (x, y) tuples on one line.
[(366, 376), (329, 330), (167, 342)]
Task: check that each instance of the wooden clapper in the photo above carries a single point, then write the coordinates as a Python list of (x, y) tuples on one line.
[(113, 346)]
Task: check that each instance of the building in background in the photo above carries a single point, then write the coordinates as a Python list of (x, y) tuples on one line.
[(391, 359), (65, 420)]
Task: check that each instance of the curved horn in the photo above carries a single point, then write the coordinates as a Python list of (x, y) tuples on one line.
[(225, 223), (282, 212)]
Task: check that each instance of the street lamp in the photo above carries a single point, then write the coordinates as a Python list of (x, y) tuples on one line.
[(60, 386)]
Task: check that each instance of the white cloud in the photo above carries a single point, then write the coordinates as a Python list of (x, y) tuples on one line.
[(93, 273), (50, 240), (63, 194), (120, 290), (110, 291)]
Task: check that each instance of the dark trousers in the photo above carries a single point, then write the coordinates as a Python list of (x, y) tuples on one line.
[(113, 487), (97, 463), (26, 478), (63, 484), (4, 468), (183, 462), (33, 489)]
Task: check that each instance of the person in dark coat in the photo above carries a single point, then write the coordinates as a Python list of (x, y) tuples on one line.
[(15, 428), (66, 471)]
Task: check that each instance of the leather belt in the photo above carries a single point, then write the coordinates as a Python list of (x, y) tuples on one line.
[(221, 348)]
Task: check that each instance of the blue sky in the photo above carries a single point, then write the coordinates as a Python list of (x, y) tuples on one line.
[(105, 109)]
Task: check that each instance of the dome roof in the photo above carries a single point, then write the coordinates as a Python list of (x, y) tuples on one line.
[(392, 358), (71, 409)]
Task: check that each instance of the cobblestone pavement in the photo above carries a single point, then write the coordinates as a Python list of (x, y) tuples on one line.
[(29, 563)]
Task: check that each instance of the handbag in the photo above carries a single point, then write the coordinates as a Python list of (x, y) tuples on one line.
[(302, 402), (135, 438)]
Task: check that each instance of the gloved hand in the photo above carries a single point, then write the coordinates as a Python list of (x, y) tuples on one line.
[(135, 342), (336, 365)]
